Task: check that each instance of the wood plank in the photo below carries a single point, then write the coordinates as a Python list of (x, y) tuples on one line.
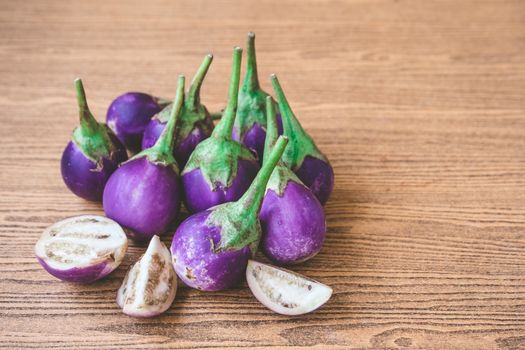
[(419, 106)]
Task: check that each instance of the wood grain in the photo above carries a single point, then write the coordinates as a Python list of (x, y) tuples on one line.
[(418, 104)]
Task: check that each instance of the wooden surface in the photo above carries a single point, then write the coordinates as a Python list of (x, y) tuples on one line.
[(418, 104)]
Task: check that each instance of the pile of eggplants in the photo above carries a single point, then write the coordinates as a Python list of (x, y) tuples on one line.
[(253, 181)]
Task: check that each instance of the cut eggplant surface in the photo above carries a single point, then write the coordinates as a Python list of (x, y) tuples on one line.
[(150, 286), (284, 291), (82, 248)]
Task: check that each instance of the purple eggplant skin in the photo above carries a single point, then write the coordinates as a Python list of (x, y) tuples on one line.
[(211, 271), (183, 149), (293, 224), (255, 136), (152, 133), (128, 116), (82, 175), (318, 176), (195, 186), (146, 208), (82, 275)]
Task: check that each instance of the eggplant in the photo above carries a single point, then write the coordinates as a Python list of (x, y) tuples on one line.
[(92, 155), (150, 285), (285, 292), (292, 219), (220, 169), (302, 155), (210, 249), (82, 248), (143, 195), (250, 123), (195, 122), (129, 114)]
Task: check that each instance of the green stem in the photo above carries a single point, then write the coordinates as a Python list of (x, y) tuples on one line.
[(88, 124), (271, 128), (290, 122), (166, 141), (225, 126), (301, 144), (291, 127), (252, 199), (251, 79), (193, 99)]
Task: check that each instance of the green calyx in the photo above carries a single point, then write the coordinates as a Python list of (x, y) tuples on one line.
[(280, 178), (218, 156), (236, 233), (239, 223), (162, 151), (189, 119), (301, 144), (218, 160), (251, 109), (193, 112), (91, 136), (281, 175)]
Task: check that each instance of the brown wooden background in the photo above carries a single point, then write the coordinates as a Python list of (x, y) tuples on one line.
[(418, 104)]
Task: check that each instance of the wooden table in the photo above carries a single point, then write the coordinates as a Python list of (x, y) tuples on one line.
[(418, 104)]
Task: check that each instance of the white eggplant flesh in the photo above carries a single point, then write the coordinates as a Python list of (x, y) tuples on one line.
[(150, 286), (284, 291)]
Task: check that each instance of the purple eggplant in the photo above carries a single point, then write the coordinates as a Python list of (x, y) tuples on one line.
[(210, 249), (302, 154), (250, 123), (292, 219), (195, 123), (143, 195), (92, 155), (220, 170), (129, 115)]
